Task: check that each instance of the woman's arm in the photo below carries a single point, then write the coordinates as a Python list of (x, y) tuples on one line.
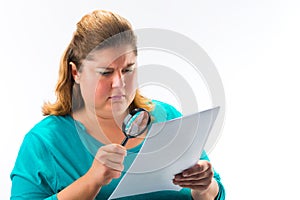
[(210, 193), (108, 164)]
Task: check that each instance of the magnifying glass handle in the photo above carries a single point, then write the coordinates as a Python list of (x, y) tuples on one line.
[(124, 141)]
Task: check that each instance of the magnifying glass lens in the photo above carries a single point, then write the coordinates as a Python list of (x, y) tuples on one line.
[(135, 123)]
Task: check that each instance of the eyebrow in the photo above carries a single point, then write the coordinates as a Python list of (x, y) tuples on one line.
[(127, 66), (130, 65)]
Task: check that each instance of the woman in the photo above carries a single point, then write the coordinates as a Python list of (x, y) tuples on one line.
[(75, 152)]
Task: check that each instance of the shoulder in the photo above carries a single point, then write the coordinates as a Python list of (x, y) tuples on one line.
[(49, 136), (53, 121), (163, 111), (50, 129), (41, 148)]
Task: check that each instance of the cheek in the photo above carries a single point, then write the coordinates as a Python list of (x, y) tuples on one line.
[(94, 90), (88, 88), (102, 89), (131, 82)]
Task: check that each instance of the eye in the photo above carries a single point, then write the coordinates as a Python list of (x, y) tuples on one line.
[(128, 70), (104, 72)]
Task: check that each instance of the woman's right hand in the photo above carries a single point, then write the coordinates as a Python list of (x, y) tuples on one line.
[(108, 164)]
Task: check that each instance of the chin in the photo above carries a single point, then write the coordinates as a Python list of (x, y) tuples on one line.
[(118, 108)]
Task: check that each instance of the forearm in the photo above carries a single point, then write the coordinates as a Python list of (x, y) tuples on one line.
[(209, 194), (81, 189)]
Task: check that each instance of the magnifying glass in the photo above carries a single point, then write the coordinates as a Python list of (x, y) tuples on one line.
[(135, 123)]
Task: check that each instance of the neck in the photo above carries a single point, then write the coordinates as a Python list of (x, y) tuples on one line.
[(106, 129)]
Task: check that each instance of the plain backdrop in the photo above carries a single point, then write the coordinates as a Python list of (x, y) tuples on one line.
[(254, 45)]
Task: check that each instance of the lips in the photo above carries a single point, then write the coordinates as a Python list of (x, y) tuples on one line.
[(117, 97)]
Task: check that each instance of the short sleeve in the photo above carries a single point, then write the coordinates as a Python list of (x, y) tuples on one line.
[(33, 176), (163, 112)]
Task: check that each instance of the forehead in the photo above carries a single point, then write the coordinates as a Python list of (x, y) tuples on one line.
[(111, 55)]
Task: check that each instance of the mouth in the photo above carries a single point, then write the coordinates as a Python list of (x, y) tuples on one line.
[(117, 97)]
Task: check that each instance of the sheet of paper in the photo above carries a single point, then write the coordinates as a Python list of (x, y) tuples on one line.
[(170, 147)]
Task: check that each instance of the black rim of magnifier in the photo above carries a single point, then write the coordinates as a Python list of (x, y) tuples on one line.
[(131, 114)]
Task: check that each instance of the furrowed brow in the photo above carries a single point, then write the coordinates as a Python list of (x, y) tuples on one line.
[(130, 65)]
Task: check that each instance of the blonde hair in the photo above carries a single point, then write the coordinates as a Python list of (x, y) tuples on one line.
[(92, 32)]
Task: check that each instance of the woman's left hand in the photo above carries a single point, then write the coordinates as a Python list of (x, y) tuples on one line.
[(199, 177)]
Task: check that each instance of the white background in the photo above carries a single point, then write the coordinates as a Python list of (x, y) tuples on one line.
[(254, 45)]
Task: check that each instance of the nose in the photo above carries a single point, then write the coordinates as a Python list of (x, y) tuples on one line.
[(118, 80)]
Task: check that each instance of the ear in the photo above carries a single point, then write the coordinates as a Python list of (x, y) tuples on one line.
[(75, 73)]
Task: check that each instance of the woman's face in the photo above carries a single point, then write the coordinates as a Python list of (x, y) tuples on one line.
[(108, 81)]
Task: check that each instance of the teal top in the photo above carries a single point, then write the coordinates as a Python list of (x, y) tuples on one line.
[(58, 150)]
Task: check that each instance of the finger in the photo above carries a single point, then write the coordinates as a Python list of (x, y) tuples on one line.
[(115, 158), (114, 148), (110, 159), (201, 166), (196, 187), (115, 166), (202, 182), (199, 176)]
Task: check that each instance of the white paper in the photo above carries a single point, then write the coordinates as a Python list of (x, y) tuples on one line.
[(170, 148)]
